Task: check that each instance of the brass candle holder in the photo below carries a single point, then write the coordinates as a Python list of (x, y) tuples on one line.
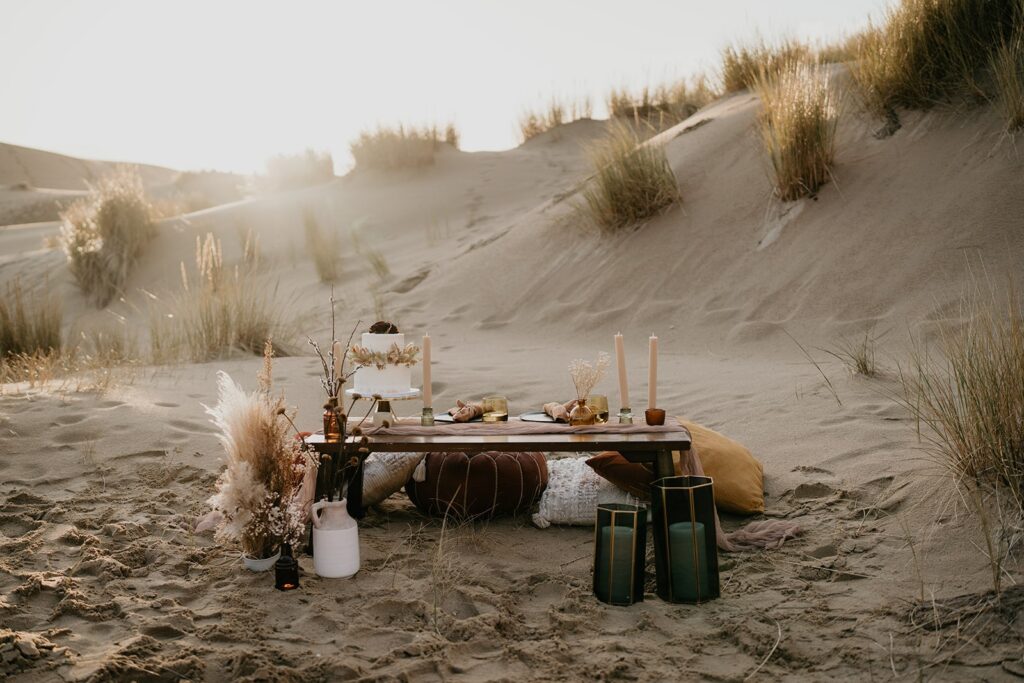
[(625, 416), (427, 417)]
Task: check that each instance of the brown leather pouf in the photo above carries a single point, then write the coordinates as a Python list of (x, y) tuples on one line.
[(484, 485)]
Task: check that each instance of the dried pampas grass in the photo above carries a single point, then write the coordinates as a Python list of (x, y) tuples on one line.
[(261, 497)]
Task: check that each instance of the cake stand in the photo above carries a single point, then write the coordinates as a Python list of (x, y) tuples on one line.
[(384, 409)]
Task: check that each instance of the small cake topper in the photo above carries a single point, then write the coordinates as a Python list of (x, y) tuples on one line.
[(383, 327)]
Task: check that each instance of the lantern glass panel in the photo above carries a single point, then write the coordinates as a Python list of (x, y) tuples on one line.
[(620, 547), (685, 540)]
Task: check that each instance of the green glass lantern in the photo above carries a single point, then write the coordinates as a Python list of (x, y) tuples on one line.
[(685, 540), (620, 547)]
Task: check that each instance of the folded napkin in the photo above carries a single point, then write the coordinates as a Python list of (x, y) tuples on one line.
[(560, 411), (464, 412)]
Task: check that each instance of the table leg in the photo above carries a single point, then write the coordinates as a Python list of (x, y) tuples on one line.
[(355, 489), (663, 465)]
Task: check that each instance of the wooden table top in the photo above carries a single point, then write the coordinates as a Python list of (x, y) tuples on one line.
[(628, 443)]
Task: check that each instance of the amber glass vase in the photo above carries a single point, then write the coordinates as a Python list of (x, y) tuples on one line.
[(332, 429), (582, 414)]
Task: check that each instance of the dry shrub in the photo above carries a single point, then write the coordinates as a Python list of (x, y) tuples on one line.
[(555, 113), (324, 248), (744, 65), (401, 147), (971, 399), (663, 105), (797, 126), (1008, 75), (632, 181), (220, 313), (931, 51), (293, 171), (29, 323), (104, 233)]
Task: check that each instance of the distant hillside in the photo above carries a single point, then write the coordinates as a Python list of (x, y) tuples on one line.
[(38, 168)]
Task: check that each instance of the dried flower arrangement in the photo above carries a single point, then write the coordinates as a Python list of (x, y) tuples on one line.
[(585, 375), (264, 494), (363, 357), (335, 374)]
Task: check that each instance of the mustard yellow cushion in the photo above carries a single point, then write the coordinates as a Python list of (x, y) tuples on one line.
[(738, 476)]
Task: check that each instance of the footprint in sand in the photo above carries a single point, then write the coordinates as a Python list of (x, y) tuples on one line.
[(195, 427), (166, 404), (69, 419), (813, 490)]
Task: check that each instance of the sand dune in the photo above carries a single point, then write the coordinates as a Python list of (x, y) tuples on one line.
[(99, 493)]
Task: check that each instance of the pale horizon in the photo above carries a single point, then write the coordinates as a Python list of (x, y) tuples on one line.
[(228, 85)]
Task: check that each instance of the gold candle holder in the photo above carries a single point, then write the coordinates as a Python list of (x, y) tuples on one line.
[(427, 418), (625, 416)]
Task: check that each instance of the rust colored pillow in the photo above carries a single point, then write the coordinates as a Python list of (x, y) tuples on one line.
[(632, 477), (484, 485)]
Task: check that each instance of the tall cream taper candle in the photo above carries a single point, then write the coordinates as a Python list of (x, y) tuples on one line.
[(652, 375), (620, 359), (338, 354), (428, 393)]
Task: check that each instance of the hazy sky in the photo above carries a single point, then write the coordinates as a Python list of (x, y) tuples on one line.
[(225, 84)]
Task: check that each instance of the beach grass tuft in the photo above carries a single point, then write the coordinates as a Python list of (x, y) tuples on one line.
[(927, 52), (1008, 74), (662, 105), (104, 233), (219, 312), (970, 396), (324, 247), (294, 171), (632, 181), (533, 122), (401, 147), (30, 322), (744, 66), (797, 126)]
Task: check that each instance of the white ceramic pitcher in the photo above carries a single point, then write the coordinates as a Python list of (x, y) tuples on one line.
[(335, 540)]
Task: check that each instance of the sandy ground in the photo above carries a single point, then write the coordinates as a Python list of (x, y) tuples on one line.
[(99, 491)]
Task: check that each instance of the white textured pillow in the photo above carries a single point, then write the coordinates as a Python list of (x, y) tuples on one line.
[(386, 473), (573, 492)]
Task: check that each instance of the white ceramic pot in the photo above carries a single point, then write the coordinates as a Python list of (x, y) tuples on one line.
[(260, 564), (335, 540)]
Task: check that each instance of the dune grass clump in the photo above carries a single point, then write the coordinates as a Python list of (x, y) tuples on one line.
[(971, 399), (927, 52), (1008, 73), (534, 122), (104, 234), (217, 313), (663, 105), (401, 147), (324, 247), (743, 66), (797, 126), (29, 323), (294, 171), (632, 181)]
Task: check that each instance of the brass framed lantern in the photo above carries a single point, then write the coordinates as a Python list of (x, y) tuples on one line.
[(620, 547), (685, 539)]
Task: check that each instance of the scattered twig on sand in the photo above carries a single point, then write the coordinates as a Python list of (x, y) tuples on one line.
[(778, 639)]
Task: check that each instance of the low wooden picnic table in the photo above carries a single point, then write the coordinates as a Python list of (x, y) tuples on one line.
[(653, 448)]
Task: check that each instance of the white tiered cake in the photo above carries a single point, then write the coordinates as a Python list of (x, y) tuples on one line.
[(385, 379)]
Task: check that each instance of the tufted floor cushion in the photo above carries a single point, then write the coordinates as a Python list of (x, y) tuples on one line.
[(484, 485)]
